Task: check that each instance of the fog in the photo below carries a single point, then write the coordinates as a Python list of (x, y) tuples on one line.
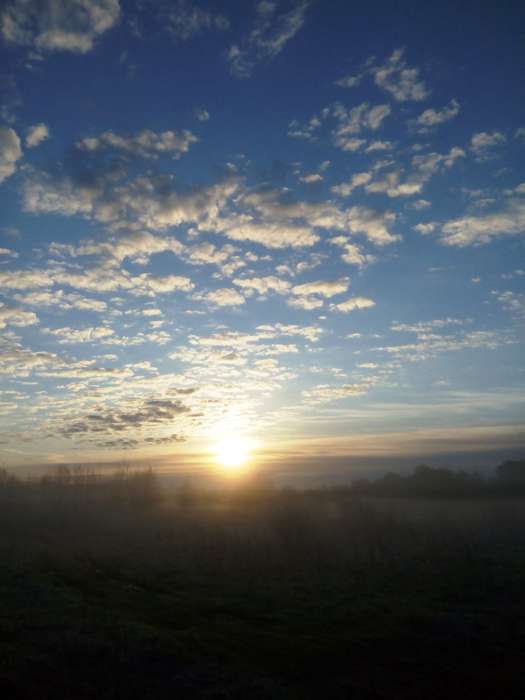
[(130, 577)]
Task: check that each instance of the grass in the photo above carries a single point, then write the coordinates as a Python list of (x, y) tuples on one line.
[(115, 591)]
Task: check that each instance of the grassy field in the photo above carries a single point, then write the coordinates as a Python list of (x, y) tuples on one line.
[(114, 590)]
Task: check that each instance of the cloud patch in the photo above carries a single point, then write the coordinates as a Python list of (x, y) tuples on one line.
[(36, 134), (58, 25), (271, 33), (145, 144), (10, 152)]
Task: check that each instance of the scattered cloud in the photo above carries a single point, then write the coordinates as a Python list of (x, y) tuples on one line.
[(394, 76), (424, 327), (357, 180), (326, 393), (271, 33), (352, 254), (398, 79), (352, 304), (311, 178), (7, 252), (432, 117), (425, 229), (16, 317), (91, 334), (201, 114), (145, 144), (61, 299), (352, 122), (139, 414), (511, 301), (226, 296), (509, 220), (263, 285), (420, 204), (484, 143), (36, 134), (10, 152), (424, 167), (322, 288), (373, 224), (184, 19), (57, 25)]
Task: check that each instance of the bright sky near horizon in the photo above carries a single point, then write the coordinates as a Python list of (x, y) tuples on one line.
[(300, 224)]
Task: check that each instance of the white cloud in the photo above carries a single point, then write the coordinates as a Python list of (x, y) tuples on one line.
[(25, 279), (10, 152), (433, 117), (323, 288), (137, 246), (267, 39), (325, 393), (513, 302), (424, 167), (352, 122), (305, 303), (425, 229), (91, 334), (352, 253), (429, 163), (306, 131), (273, 235), (61, 299), (311, 178), (150, 285), (184, 19), (58, 25), (346, 188), (326, 215), (226, 296), (150, 201), (10, 316), (225, 257), (375, 146), (519, 190), (420, 204), (431, 344), (97, 279), (201, 114), (263, 285), (352, 304), (483, 143), (36, 134), (8, 252), (146, 143), (373, 224), (478, 230), (421, 328), (350, 81), (402, 82)]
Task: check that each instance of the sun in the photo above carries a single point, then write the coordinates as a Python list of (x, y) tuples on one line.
[(232, 452)]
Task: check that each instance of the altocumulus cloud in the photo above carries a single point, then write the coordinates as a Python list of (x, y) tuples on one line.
[(57, 25), (10, 152)]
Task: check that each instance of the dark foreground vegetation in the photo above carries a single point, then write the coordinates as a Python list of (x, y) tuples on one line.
[(112, 589)]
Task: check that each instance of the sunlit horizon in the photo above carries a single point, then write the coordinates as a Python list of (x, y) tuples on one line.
[(213, 236)]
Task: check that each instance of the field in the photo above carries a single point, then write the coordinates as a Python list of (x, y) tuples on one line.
[(114, 589)]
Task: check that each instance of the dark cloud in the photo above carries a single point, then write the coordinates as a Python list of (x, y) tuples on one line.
[(149, 414)]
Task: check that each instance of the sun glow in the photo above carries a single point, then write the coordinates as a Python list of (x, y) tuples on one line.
[(233, 452)]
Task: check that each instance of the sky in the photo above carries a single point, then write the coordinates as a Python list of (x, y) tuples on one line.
[(293, 229)]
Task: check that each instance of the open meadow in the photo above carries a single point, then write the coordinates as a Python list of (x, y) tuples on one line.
[(112, 588)]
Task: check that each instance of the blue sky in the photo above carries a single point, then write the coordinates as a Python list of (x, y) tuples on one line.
[(297, 224)]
